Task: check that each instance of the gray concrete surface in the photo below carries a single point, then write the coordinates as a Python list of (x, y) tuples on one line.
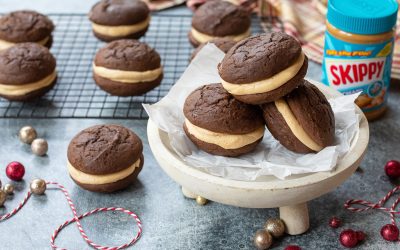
[(170, 220)]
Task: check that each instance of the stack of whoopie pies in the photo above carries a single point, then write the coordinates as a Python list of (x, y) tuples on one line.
[(27, 68), (262, 83), (124, 67)]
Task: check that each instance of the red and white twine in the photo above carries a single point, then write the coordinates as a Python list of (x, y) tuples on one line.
[(379, 205), (77, 219)]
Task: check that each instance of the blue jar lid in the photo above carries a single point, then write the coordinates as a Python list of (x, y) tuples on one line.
[(363, 16)]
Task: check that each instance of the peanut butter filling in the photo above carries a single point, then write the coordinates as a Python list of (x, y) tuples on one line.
[(17, 90), (203, 38), (6, 44), (92, 179), (127, 76), (268, 84), (120, 30), (295, 126), (226, 141)]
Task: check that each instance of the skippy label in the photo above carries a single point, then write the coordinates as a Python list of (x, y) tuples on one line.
[(352, 68)]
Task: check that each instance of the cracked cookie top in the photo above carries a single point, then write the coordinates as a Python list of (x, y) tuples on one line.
[(221, 18), (104, 149), (25, 63), (211, 107), (259, 57), (128, 54), (119, 12), (25, 26)]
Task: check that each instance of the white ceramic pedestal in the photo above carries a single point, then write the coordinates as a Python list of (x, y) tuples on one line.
[(289, 195)]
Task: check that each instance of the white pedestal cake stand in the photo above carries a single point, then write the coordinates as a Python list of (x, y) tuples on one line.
[(290, 195)]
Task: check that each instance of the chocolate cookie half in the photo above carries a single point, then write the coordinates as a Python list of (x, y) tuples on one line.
[(117, 19), (302, 121), (219, 19), (25, 26), (27, 71), (223, 44), (263, 68), (127, 68), (105, 158), (221, 125)]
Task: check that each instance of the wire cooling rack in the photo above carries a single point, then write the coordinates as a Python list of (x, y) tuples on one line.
[(77, 96)]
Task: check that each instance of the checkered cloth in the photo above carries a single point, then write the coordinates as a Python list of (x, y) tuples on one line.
[(162, 4), (305, 20)]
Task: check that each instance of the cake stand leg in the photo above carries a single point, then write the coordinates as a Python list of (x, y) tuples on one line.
[(296, 218), (188, 194)]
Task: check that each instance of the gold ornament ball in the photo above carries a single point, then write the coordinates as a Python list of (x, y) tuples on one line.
[(38, 186), (262, 239), (27, 134), (276, 227), (201, 200), (8, 189), (3, 197), (39, 147)]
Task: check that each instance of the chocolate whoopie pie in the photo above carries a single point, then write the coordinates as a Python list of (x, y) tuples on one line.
[(27, 71), (219, 19), (223, 44), (117, 19), (105, 158), (127, 68), (302, 121), (25, 26), (221, 125), (263, 68)]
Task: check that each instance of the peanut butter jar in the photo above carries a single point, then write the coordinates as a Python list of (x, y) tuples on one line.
[(359, 42)]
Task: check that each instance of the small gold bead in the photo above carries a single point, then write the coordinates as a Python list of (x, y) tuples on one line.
[(3, 197), (201, 200), (262, 239), (276, 227), (8, 189), (38, 186), (39, 147), (27, 134)]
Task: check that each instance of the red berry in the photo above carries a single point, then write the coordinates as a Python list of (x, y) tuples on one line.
[(292, 247), (392, 169), (390, 232), (360, 235), (15, 171), (348, 238), (335, 222)]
